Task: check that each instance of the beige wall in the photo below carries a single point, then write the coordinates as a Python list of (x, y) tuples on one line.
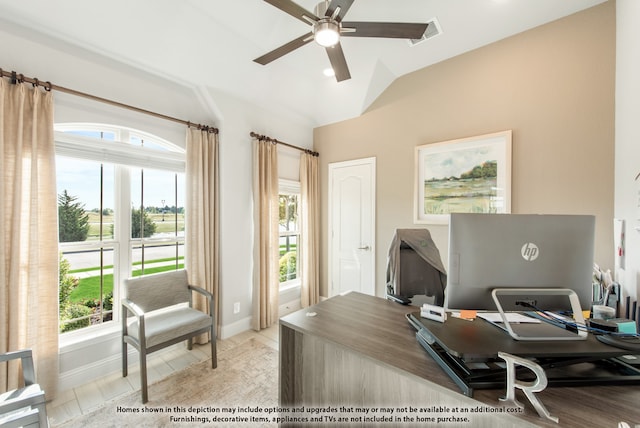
[(553, 86)]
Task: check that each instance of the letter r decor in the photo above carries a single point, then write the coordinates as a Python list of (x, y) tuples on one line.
[(529, 388)]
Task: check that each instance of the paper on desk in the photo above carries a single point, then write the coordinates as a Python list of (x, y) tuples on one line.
[(512, 317)]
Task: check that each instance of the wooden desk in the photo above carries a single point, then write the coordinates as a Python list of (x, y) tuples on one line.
[(360, 350)]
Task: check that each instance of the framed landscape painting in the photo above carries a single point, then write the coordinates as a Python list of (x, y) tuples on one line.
[(468, 175)]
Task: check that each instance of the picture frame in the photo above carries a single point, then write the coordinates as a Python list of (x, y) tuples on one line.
[(465, 175)]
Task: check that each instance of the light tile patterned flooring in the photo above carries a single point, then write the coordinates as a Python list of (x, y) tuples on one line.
[(86, 398)]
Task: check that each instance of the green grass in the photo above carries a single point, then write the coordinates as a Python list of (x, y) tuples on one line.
[(89, 288)]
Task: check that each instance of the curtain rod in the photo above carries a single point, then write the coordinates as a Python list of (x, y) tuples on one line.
[(48, 86), (273, 140)]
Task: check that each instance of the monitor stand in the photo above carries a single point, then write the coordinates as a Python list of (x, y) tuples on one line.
[(543, 330)]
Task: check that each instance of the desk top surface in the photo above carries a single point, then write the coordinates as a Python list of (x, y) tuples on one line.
[(378, 329), (369, 325)]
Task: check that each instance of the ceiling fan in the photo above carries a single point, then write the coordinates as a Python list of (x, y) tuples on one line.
[(327, 26)]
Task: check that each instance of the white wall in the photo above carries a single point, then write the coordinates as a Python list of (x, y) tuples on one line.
[(37, 56), (627, 157), (239, 118)]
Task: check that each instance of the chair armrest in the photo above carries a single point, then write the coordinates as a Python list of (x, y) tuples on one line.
[(28, 370), (132, 307), (202, 291), (128, 305), (25, 353), (206, 294)]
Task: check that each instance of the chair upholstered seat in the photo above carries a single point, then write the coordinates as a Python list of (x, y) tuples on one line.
[(163, 314), (162, 326)]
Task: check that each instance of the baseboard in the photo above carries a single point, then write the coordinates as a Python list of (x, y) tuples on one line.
[(244, 324), (226, 331), (89, 372), (108, 364), (99, 369)]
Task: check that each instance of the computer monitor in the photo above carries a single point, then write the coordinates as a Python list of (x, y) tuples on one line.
[(488, 251)]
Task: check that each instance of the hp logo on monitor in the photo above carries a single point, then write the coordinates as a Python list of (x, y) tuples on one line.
[(530, 251)]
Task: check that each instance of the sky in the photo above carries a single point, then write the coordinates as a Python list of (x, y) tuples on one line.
[(442, 165), (81, 179)]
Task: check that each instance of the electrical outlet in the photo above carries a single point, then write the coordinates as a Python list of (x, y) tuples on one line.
[(236, 307)]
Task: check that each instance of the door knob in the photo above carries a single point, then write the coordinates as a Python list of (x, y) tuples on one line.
[(366, 248)]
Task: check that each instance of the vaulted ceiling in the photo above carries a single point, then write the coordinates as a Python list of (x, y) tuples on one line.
[(212, 43)]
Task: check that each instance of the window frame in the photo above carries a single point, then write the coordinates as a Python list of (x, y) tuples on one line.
[(125, 158)]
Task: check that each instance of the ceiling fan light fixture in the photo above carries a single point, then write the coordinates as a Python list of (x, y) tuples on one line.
[(326, 33), (329, 72)]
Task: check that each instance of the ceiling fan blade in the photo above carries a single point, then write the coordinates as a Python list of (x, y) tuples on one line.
[(344, 6), (385, 29), (293, 9), (284, 49), (338, 62)]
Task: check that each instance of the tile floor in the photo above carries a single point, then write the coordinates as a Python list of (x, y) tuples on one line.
[(86, 398)]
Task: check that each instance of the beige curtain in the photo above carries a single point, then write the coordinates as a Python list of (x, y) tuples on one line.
[(202, 217), (310, 230), (28, 233), (265, 235)]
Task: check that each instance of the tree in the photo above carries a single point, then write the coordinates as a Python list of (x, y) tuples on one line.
[(72, 218), (68, 309), (149, 225), (66, 282), (488, 169)]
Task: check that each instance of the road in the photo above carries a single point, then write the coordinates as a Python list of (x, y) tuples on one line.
[(89, 259)]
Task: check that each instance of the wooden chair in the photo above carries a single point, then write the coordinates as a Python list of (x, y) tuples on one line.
[(23, 406), (163, 314)]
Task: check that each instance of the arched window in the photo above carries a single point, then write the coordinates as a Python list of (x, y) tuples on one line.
[(120, 214)]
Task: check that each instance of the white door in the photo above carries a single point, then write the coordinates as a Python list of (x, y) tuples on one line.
[(352, 226)]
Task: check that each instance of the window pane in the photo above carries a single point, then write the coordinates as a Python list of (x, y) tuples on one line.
[(85, 216), (288, 228), (105, 135), (163, 207), (288, 258), (288, 211), (160, 194), (85, 200), (153, 258), (86, 287)]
